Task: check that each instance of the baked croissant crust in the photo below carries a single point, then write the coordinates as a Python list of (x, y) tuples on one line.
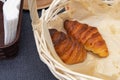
[(88, 36), (67, 48)]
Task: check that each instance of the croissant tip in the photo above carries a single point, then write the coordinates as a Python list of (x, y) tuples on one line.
[(104, 56), (66, 21), (52, 31)]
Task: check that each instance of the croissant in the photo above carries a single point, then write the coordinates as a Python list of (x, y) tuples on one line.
[(68, 49), (88, 36)]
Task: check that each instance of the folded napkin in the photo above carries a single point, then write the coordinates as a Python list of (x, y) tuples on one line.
[(11, 15)]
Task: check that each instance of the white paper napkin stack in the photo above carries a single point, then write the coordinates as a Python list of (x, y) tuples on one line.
[(11, 15)]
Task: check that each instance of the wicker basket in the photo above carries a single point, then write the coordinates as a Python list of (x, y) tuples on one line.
[(44, 42)]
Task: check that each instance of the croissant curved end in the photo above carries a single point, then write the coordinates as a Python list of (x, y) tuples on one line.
[(103, 54)]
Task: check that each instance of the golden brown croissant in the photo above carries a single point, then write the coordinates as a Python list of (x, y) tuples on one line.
[(68, 49), (88, 36)]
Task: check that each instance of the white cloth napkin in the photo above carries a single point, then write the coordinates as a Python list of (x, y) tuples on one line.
[(11, 15)]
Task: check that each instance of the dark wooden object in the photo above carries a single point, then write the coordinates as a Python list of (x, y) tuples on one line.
[(10, 50)]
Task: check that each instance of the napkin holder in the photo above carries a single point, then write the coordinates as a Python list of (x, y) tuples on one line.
[(10, 50)]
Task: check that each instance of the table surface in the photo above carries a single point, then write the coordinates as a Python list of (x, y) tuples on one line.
[(27, 64)]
